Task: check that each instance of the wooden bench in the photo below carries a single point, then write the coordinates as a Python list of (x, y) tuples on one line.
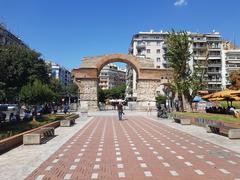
[(211, 128), (231, 132), (176, 120), (182, 121), (38, 136)]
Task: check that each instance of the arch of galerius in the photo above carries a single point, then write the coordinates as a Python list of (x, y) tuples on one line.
[(148, 79)]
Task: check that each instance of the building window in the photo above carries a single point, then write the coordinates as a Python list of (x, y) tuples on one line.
[(158, 51), (158, 43), (148, 51), (158, 59), (158, 66)]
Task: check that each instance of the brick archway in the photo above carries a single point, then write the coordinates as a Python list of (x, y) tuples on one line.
[(148, 77)]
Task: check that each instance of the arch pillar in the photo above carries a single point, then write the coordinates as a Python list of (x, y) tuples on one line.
[(88, 94), (146, 93)]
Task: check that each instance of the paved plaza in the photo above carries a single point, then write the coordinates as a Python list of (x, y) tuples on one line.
[(136, 148)]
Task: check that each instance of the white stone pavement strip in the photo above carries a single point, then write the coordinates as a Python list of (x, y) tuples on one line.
[(94, 176), (73, 167), (199, 172), (232, 162), (121, 175), (188, 163), (147, 173), (40, 177), (55, 160), (96, 166), (30, 157), (120, 166), (166, 164), (67, 176), (48, 168), (210, 163), (174, 173), (224, 171), (143, 165)]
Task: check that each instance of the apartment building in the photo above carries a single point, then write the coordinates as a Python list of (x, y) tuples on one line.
[(60, 73), (231, 62), (206, 52), (111, 76), (6, 37)]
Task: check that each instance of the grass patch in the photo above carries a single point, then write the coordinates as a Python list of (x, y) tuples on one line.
[(236, 104), (10, 129), (215, 117)]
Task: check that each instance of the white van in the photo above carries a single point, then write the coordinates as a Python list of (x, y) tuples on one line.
[(10, 112)]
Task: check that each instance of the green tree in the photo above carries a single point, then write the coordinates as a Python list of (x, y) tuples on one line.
[(235, 80), (117, 92), (160, 99), (36, 93), (185, 82), (71, 89), (19, 66), (102, 95), (56, 86)]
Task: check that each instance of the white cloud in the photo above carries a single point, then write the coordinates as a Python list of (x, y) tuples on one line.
[(180, 3)]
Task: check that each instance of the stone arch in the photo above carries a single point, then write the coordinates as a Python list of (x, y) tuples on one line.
[(148, 77), (128, 59)]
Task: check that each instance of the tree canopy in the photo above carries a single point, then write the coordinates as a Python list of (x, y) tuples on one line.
[(19, 66), (36, 93), (235, 80)]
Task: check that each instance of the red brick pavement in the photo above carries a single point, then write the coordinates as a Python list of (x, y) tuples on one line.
[(137, 148)]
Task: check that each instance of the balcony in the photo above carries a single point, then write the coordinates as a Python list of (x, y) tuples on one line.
[(200, 57), (214, 64), (214, 39), (214, 72), (141, 46), (199, 40), (215, 88), (199, 47), (214, 81), (214, 56)]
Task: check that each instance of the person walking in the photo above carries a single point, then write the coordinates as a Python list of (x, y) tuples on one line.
[(120, 110), (149, 109)]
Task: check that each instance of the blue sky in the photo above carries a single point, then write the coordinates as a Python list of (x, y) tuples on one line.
[(67, 30)]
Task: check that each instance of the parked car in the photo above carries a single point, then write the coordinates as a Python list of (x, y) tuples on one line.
[(9, 112)]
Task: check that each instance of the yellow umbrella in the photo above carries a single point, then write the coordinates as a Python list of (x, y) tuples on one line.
[(207, 96), (236, 93), (224, 93), (220, 94), (216, 99), (234, 98)]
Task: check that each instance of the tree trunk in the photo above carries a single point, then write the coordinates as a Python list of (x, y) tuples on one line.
[(186, 105)]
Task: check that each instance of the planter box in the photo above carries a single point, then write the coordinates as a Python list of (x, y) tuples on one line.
[(16, 140)]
